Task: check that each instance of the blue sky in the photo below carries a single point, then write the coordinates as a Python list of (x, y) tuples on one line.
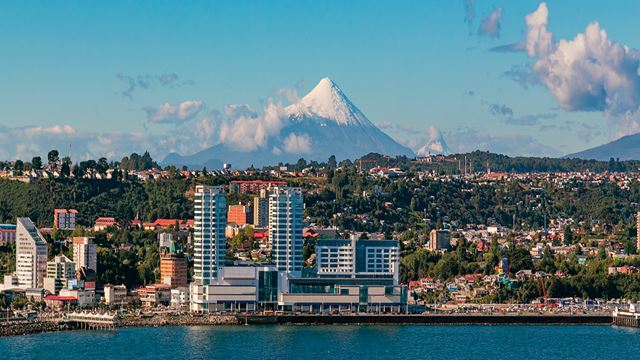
[(407, 65)]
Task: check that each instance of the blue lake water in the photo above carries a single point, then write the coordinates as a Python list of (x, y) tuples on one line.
[(331, 342)]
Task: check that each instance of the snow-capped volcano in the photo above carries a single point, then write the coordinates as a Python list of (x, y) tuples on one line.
[(323, 123), (435, 144), (327, 102)]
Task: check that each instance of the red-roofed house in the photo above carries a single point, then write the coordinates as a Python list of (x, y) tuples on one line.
[(103, 223), (59, 301)]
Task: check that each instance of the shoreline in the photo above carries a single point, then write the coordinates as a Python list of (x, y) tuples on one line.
[(35, 327)]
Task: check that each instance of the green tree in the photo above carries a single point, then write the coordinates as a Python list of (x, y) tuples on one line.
[(36, 162), (602, 252), (53, 157), (331, 163), (567, 235), (19, 165)]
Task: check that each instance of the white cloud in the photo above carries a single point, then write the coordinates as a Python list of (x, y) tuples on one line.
[(588, 73), (490, 25), (539, 40), (297, 144), (235, 111), (250, 131), (168, 113)]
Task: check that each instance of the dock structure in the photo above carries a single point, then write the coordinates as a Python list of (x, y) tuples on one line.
[(455, 319), (90, 321), (628, 318)]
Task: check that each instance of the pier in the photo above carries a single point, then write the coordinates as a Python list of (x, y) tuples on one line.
[(90, 321), (628, 318)]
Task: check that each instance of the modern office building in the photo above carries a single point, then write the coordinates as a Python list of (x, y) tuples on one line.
[(439, 240), (285, 228), (31, 255), (64, 219), (59, 271), (351, 275), (247, 287), (240, 214), (85, 253), (261, 209)]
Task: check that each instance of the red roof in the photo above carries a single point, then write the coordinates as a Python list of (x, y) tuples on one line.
[(167, 222), (257, 182), (259, 234), (105, 220), (306, 232), (60, 298)]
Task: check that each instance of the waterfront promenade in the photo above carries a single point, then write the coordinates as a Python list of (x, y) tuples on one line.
[(23, 327)]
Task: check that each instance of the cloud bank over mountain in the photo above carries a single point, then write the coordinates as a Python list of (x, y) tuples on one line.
[(590, 72)]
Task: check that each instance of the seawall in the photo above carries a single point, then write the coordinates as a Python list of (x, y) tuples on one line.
[(468, 319)]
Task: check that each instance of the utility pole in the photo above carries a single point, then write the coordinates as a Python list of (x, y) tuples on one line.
[(465, 165)]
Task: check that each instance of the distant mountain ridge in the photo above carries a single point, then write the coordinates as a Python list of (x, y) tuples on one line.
[(325, 117), (624, 148)]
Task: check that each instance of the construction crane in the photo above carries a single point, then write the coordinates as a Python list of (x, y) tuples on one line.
[(545, 301)]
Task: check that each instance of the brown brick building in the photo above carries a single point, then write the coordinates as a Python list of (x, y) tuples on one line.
[(173, 270)]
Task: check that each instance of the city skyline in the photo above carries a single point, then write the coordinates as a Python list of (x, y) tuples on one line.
[(167, 77)]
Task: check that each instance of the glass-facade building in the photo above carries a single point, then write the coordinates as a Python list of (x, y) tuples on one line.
[(285, 228), (209, 240)]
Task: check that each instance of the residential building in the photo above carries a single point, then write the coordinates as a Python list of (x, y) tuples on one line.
[(638, 232), (155, 294), (10, 282), (115, 295), (64, 219), (252, 186), (240, 214), (354, 258), (166, 240), (180, 298), (34, 294), (440, 240), (84, 298), (209, 242), (31, 255), (7, 234), (261, 209), (59, 271), (285, 228), (104, 222), (85, 253), (173, 269)]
